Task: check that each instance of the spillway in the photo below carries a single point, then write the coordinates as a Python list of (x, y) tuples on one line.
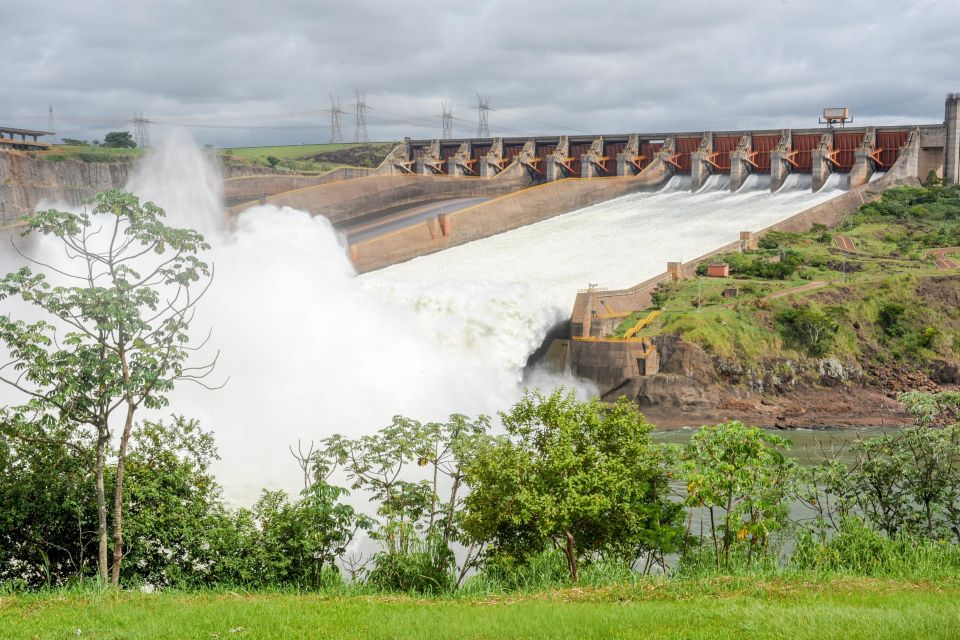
[(501, 294)]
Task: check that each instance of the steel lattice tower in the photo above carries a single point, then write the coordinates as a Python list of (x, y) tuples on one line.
[(360, 134), (50, 124), (141, 128), (447, 120), (483, 130), (336, 132)]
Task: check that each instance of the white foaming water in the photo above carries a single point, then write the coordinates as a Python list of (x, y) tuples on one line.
[(716, 182), (835, 181), (511, 287), (756, 182), (311, 349)]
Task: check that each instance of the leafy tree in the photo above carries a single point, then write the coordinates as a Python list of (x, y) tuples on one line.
[(273, 161), (741, 479), (119, 140), (301, 541), (47, 512), (808, 327), (115, 338), (582, 476), (171, 500), (417, 526)]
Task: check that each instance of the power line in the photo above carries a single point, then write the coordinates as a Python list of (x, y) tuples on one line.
[(549, 124), (360, 134), (447, 120), (336, 133), (483, 129)]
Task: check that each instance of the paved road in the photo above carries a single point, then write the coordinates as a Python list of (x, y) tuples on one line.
[(402, 217), (942, 261), (845, 243), (816, 284)]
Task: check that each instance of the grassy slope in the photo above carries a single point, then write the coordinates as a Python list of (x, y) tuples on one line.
[(88, 154), (728, 608), (287, 152)]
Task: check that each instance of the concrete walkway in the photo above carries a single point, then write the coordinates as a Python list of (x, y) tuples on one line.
[(401, 217), (845, 243), (942, 261), (816, 284)]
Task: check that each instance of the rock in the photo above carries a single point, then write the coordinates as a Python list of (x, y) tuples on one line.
[(25, 181), (684, 359), (677, 392), (831, 370), (944, 372)]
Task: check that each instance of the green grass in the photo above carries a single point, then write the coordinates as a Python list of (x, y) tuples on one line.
[(287, 152), (89, 154), (714, 609)]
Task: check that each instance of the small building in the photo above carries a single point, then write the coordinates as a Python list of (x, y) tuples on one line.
[(730, 292), (718, 270)]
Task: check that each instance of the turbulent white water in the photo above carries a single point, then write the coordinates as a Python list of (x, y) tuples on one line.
[(310, 349)]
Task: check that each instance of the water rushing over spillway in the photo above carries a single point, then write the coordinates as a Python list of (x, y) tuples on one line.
[(508, 289), (310, 349)]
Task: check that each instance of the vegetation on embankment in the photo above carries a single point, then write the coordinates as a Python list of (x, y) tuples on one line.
[(799, 295), (310, 157), (304, 158), (88, 153), (796, 608)]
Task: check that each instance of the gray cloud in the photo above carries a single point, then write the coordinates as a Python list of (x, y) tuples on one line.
[(611, 66)]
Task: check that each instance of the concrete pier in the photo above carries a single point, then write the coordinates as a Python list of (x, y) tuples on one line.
[(951, 147), (821, 165)]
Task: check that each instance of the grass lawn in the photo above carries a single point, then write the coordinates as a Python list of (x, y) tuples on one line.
[(287, 152), (88, 154), (728, 608)]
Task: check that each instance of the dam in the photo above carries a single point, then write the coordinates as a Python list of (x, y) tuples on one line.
[(494, 185), (439, 323)]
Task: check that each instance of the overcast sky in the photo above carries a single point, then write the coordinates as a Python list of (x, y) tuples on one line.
[(261, 71)]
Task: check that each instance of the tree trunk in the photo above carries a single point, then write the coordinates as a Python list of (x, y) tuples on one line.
[(102, 566), (571, 554), (118, 497)]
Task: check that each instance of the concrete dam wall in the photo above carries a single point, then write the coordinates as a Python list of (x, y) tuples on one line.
[(493, 217)]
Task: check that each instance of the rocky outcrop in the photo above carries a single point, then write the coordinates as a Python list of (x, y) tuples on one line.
[(26, 181)]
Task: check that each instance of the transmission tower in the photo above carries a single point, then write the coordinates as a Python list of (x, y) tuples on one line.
[(483, 131), (50, 128), (360, 134), (447, 120), (336, 132), (141, 130)]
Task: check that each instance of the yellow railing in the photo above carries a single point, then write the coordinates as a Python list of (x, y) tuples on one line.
[(629, 336), (637, 328)]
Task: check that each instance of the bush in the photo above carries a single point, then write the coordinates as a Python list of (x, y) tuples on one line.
[(428, 568), (891, 318)]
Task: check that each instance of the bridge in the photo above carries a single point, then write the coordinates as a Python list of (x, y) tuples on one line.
[(857, 152)]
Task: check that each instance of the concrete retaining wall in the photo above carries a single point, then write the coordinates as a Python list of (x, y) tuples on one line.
[(496, 216), (244, 190), (353, 199)]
